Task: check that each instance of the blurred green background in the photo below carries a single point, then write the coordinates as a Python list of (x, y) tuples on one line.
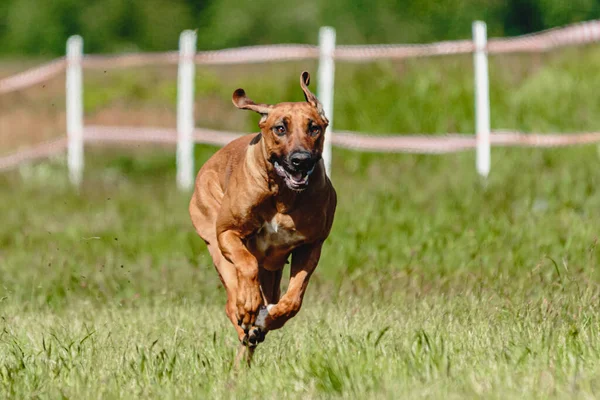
[(40, 27)]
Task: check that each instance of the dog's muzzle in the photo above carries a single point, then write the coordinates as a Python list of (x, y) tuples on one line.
[(296, 169)]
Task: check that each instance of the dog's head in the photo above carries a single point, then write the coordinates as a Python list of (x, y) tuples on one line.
[(293, 134)]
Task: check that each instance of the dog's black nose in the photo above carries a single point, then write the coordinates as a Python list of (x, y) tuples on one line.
[(301, 160)]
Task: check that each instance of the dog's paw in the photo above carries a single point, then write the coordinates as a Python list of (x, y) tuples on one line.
[(255, 336)]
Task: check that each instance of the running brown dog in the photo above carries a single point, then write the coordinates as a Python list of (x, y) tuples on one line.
[(261, 199)]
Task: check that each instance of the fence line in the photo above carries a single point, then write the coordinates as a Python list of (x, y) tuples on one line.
[(111, 61), (137, 134), (429, 144), (327, 53), (576, 34), (416, 144), (257, 54), (33, 76), (43, 150)]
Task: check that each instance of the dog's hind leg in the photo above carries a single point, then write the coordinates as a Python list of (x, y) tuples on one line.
[(304, 262)]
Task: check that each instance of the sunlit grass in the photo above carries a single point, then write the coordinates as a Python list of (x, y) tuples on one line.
[(432, 284)]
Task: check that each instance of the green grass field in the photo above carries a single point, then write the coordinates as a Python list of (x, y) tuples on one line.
[(432, 284)]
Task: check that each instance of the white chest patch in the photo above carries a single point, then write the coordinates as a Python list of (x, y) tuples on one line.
[(274, 236)]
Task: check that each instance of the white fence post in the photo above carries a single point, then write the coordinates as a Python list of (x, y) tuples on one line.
[(325, 86), (482, 98), (74, 95), (185, 110)]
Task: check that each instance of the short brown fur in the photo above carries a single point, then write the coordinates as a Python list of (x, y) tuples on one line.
[(252, 220)]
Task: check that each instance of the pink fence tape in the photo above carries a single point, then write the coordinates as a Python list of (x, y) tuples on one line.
[(420, 144), (576, 34), (33, 76), (42, 150), (425, 144)]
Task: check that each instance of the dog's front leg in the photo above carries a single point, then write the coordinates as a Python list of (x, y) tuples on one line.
[(304, 262), (248, 287)]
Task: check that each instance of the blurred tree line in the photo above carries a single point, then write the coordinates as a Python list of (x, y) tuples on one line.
[(40, 27)]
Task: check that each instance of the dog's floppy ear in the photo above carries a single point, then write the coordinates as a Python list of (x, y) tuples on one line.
[(308, 95), (240, 100)]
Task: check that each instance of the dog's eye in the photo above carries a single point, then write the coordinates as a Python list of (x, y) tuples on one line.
[(279, 130), (314, 130)]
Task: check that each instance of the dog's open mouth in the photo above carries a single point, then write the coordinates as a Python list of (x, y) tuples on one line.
[(295, 180)]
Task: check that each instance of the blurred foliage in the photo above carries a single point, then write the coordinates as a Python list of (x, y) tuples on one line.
[(40, 27)]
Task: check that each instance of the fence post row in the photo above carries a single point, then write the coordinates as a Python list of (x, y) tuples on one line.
[(185, 110), (74, 109), (482, 99), (326, 75), (325, 91)]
